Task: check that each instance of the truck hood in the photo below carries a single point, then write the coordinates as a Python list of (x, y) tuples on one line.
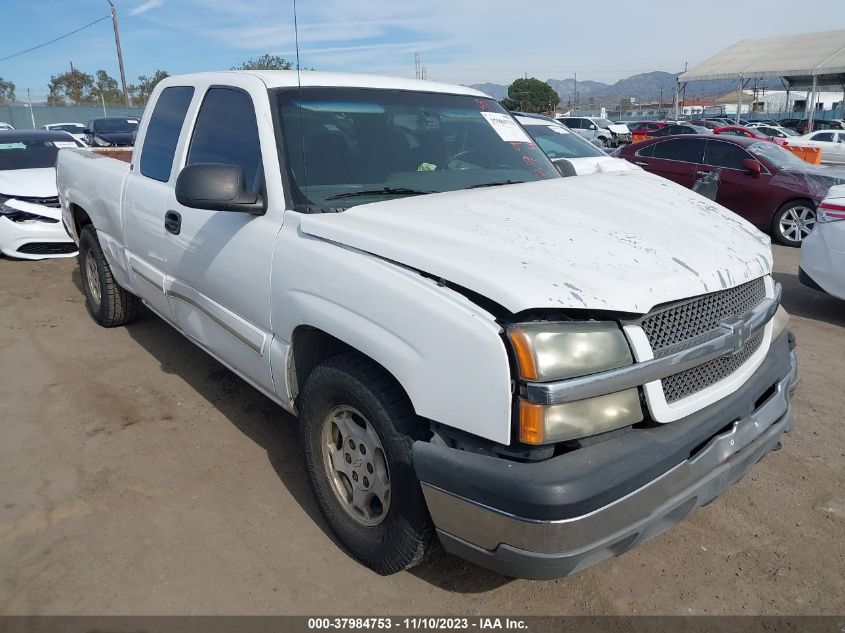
[(33, 183), (623, 241), (618, 128)]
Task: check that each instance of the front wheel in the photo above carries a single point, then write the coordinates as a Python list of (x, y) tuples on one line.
[(108, 303), (357, 430), (793, 222)]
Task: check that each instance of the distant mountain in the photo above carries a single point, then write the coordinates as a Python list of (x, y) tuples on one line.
[(642, 86)]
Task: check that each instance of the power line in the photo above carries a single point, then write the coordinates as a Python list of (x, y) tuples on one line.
[(61, 37)]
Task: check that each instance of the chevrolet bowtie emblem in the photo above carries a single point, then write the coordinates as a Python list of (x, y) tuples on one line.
[(738, 332)]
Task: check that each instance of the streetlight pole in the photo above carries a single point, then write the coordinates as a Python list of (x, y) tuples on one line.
[(119, 52)]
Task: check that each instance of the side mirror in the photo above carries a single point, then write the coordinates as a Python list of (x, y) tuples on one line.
[(593, 127), (752, 167), (216, 187)]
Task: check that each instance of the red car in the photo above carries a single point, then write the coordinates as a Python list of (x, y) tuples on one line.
[(762, 182), (738, 130), (643, 128)]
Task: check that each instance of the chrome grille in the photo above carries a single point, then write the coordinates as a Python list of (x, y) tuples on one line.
[(679, 324), (686, 383)]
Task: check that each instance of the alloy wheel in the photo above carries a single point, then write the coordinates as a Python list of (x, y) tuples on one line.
[(356, 465)]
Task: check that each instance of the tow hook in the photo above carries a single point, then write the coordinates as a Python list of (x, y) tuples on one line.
[(777, 447)]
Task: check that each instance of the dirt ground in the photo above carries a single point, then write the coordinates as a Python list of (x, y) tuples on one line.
[(139, 476)]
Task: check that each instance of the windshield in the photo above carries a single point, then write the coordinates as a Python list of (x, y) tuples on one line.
[(778, 156), (115, 126), (348, 146), (558, 142), (27, 154)]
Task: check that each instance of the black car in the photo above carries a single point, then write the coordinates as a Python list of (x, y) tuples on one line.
[(111, 131)]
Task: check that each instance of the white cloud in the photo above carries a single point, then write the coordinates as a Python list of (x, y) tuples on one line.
[(146, 6)]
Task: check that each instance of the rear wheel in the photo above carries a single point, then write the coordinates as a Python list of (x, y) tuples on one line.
[(357, 429), (793, 222), (108, 303)]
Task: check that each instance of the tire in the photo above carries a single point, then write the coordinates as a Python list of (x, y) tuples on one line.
[(793, 222), (394, 534), (107, 303)]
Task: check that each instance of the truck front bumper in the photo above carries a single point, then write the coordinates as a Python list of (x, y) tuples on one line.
[(554, 518)]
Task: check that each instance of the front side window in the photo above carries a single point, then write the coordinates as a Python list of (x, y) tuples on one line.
[(226, 132), (684, 150), (728, 155), (163, 132), (348, 146), (822, 136)]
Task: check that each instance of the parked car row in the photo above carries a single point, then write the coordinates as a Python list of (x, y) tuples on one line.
[(760, 181)]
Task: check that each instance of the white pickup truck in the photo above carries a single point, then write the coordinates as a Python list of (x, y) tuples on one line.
[(541, 372)]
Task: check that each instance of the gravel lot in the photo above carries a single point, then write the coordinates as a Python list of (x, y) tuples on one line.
[(139, 476)]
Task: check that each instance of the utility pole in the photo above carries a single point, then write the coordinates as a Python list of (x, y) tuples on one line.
[(576, 93), (31, 113), (119, 52), (417, 68)]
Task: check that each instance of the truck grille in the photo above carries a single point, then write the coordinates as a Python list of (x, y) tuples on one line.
[(679, 323)]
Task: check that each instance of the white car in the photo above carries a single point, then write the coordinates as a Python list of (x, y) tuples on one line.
[(772, 130), (5, 126), (831, 143), (574, 155), (823, 251), (609, 134), (76, 130), (540, 372), (30, 216)]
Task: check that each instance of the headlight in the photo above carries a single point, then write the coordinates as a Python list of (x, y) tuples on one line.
[(544, 424), (16, 215), (100, 142), (554, 351), (546, 351)]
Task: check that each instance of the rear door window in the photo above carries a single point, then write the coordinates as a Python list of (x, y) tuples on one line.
[(682, 149), (163, 132), (226, 132), (721, 154)]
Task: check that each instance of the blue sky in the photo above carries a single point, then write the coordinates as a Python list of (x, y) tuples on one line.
[(459, 41)]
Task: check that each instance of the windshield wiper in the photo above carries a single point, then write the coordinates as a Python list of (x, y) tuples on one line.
[(397, 191), (494, 184)]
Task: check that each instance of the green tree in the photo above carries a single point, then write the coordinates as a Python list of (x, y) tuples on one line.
[(531, 95), (265, 62), (73, 86), (141, 91), (7, 92), (107, 88)]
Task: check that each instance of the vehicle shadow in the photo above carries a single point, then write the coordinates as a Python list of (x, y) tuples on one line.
[(806, 302), (275, 430)]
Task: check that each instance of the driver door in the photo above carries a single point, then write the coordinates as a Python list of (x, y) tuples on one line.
[(219, 262)]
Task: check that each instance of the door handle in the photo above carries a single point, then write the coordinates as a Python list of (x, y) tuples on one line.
[(641, 163), (173, 222), (701, 172)]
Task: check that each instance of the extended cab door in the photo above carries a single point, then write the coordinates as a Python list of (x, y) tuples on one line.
[(219, 262), (147, 195)]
